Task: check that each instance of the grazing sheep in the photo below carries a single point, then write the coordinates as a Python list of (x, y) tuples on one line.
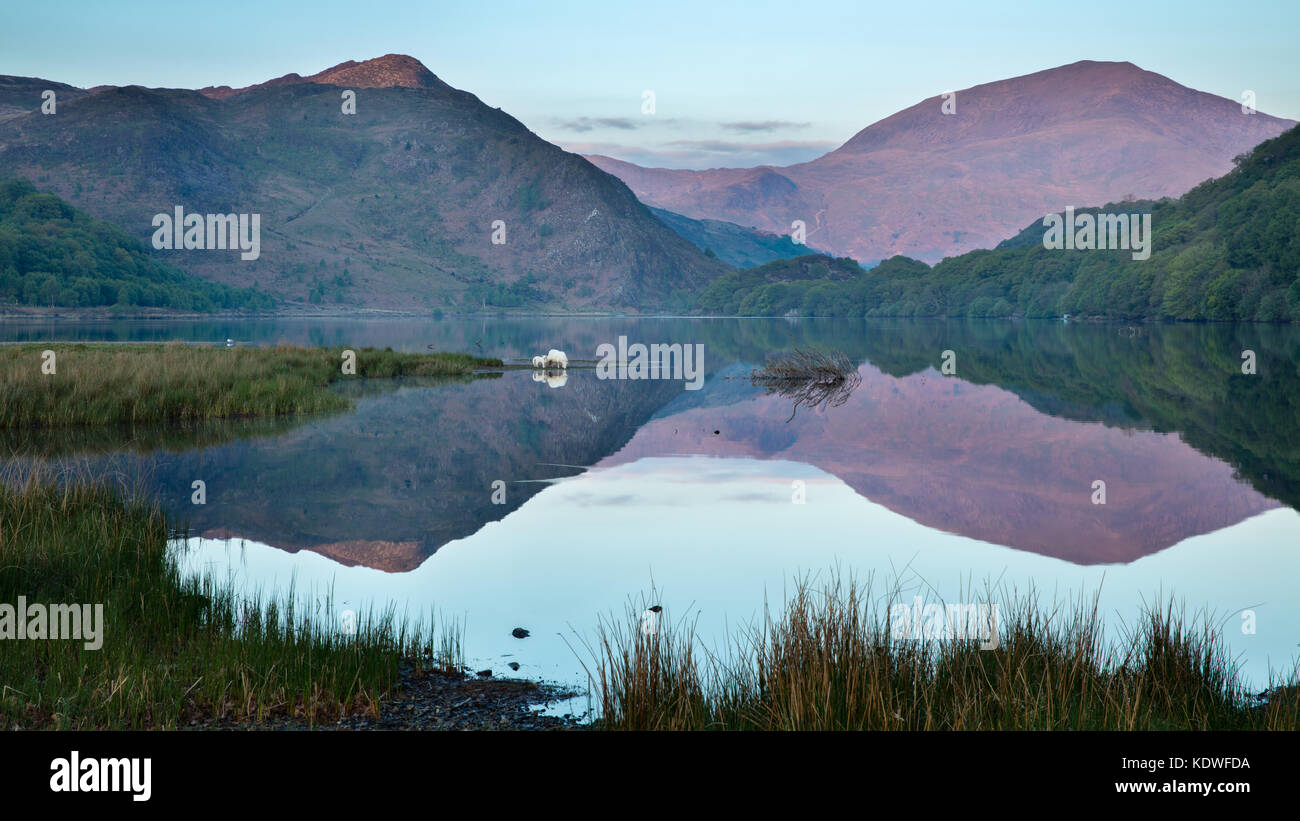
[(539, 362), (557, 359)]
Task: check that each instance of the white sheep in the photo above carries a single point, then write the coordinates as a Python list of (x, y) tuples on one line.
[(539, 362), (557, 359)]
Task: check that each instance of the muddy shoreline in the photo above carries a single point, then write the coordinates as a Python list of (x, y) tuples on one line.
[(435, 700)]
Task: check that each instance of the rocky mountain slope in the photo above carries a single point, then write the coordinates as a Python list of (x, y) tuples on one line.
[(395, 206)]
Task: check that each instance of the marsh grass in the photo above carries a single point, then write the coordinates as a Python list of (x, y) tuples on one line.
[(811, 377), (176, 651), (827, 660), (146, 384), (649, 680)]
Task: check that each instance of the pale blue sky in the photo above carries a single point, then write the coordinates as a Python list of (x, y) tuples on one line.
[(736, 83)]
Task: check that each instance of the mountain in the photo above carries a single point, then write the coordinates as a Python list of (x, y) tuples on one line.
[(731, 243), (1229, 249), (19, 95), (52, 254), (392, 207), (928, 185)]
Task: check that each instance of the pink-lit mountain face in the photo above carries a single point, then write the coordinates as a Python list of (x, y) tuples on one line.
[(389, 71), (929, 184)]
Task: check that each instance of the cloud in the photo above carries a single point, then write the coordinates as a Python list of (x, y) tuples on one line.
[(731, 147), (610, 149), (696, 154), (752, 126), (583, 124)]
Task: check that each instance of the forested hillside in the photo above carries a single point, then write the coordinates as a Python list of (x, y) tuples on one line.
[(52, 254)]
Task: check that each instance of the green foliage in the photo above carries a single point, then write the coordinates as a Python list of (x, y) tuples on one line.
[(51, 254), (520, 293), (530, 197), (777, 287)]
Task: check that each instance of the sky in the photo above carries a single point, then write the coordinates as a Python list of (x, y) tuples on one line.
[(735, 84)]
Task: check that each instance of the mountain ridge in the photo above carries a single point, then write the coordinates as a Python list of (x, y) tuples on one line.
[(927, 185), (393, 207)]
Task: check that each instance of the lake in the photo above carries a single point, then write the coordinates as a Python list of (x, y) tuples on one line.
[(1139, 464)]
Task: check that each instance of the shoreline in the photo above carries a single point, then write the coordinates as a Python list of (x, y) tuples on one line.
[(373, 314), (437, 701)]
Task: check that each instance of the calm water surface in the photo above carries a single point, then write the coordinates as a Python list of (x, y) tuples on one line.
[(716, 499)]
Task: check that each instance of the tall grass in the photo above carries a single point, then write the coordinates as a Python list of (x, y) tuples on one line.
[(829, 660), (175, 651), (139, 384)]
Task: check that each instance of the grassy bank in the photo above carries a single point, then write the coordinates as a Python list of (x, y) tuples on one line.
[(829, 661), (140, 384), (174, 651)]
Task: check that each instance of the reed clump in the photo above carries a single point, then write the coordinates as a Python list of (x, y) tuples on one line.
[(830, 659), (148, 384), (811, 377)]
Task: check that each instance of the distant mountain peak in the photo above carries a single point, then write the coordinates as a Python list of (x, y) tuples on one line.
[(1061, 96), (389, 71), (382, 72)]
